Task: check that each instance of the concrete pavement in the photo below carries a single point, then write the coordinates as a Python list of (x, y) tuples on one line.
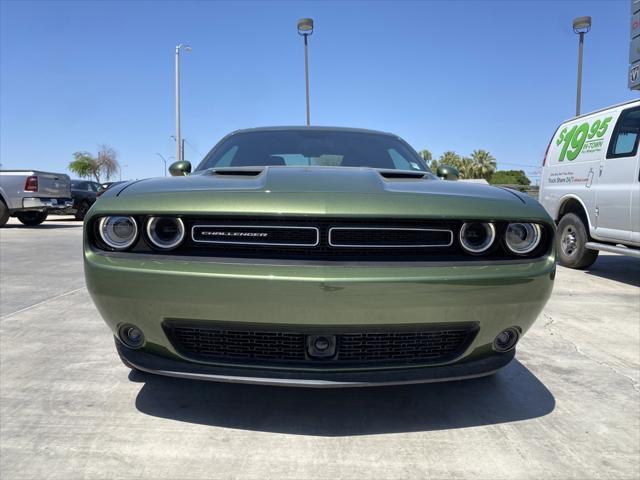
[(568, 407)]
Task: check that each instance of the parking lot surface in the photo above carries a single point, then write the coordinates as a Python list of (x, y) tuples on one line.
[(567, 407)]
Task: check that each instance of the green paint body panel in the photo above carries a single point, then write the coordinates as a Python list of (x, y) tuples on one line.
[(145, 290)]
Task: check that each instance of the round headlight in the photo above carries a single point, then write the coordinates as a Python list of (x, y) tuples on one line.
[(477, 237), (118, 232), (522, 238), (165, 233)]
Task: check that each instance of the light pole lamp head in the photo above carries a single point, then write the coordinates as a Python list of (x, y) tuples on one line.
[(305, 26), (181, 46), (581, 24)]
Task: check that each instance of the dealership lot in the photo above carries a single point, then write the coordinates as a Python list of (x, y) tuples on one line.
[(568, 407)]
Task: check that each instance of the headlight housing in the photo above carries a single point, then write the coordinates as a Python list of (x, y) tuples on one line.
[(477, 237), (522, 238), (165, 233), (118, 232)]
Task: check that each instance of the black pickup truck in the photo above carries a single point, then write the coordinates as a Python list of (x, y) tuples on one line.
[(84, 194)]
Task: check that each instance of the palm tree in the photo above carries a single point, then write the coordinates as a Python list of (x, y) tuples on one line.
[(485, 162), (450, 158), (467, 168), (426, 155)]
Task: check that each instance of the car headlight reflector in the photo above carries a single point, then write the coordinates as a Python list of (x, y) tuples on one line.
[(118, 232), (477, 237), (165, 233), (522, 238)]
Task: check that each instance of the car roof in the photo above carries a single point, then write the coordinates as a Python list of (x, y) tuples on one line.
[(311, 128), (611, 107)]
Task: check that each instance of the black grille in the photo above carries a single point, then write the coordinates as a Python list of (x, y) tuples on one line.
[(361, 346), (265, 235), (367, 237), (377, 236)]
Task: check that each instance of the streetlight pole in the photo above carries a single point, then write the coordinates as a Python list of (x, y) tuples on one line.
[(581, 25), (178, 133), (305, 28), (164, 160), (122, 167), (181, 143)]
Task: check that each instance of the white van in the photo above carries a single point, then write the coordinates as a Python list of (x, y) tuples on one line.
[(590, 184)]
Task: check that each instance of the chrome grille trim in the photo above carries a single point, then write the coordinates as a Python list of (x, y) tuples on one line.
[(338, 245)]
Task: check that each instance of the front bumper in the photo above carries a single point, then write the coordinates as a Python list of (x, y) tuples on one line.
[(156, 364), (148, 290), (39, 203)]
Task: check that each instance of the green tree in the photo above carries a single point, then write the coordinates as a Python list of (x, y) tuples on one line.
[(83, 165), (467, 168), (426, 155), (449, 158), (105, 164), (509, 177), (485, 164)]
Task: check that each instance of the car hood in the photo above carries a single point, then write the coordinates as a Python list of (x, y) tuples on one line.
[(319, 190), (313, 180)]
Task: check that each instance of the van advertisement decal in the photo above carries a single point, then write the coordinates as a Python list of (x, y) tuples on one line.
[(570, 177), (585, 138)]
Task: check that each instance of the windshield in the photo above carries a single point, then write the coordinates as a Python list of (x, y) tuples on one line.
[(325, 148)]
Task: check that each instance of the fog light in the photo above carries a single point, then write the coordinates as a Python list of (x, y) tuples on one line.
[(506, 339), (131, 336)]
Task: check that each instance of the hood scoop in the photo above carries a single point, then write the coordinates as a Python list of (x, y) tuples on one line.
[(237, 172), (401, 175)]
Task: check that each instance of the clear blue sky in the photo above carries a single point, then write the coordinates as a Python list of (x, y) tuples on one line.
[(443, 75)]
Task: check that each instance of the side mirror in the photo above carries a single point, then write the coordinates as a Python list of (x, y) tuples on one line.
[(448, 173), (180, 169)]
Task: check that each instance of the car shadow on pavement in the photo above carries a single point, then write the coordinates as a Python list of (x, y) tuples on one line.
[(512, 394), (618, 268)]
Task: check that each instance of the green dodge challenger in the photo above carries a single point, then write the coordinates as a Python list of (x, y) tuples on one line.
[(316, 256)]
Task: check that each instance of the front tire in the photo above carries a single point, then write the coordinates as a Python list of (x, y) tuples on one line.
[(32, 218), (571, 243), (83, 208), (4, 214)]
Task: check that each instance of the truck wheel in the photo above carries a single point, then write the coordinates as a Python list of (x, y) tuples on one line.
[(83, 208), (32, 218), (4, 213), (570, 243)]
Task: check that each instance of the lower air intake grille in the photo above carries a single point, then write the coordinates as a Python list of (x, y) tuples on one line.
[(361, 346)]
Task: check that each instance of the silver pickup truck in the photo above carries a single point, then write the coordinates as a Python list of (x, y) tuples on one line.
[(30, 195)]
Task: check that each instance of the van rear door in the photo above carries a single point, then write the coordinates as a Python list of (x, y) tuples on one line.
[(618, 185)]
